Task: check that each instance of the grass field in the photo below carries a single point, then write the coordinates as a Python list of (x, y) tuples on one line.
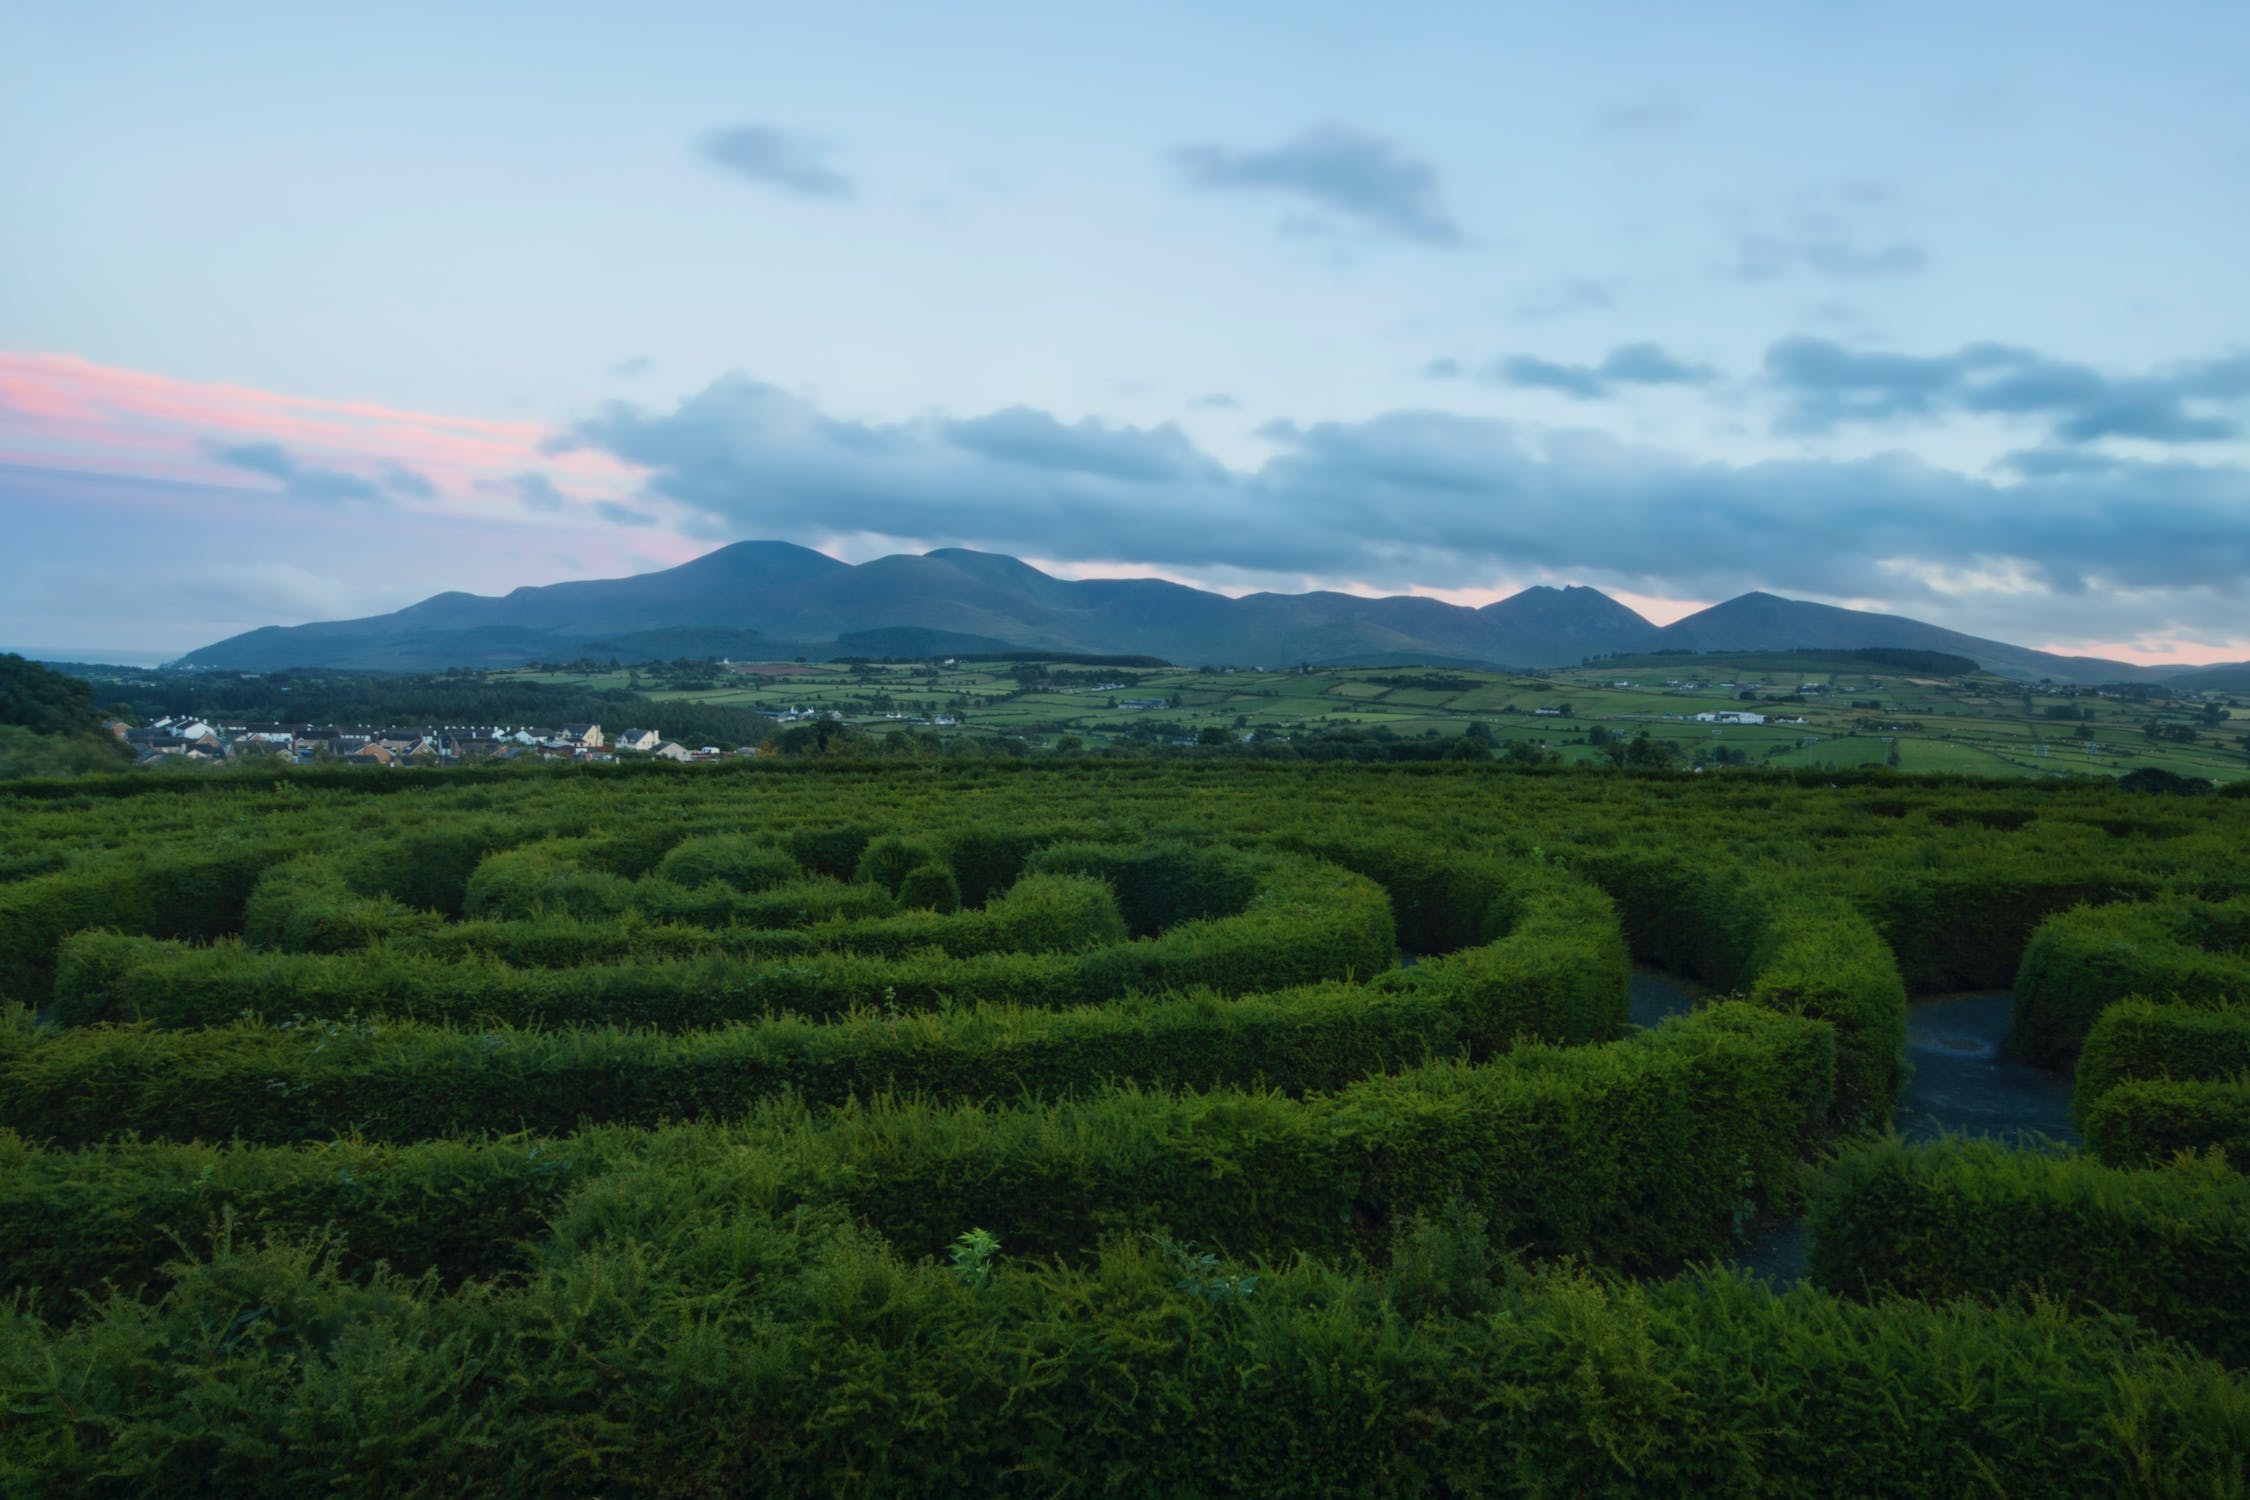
[(1851, 716)]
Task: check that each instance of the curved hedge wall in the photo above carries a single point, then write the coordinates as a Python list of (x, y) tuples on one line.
[(465, 1131), (1970, 1219)]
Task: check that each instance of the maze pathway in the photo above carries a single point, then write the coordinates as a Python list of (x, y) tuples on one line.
[(1963, 1083)]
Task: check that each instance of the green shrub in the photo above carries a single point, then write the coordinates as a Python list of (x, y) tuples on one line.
[(2141, 1039), (1969, 926), (2146, 1122), (1820, 958), (178, 894), (814, 1355), (1556, 970), (2083, 961), (1968, 1218), (832, 850), (738, 861), (1159, 886), (553, 876), (73, 1222), (934, 888), (799, 903), (306, 906), (987, 859), (890, 859)]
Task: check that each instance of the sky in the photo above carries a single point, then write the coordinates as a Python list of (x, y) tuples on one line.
[(311, 312)]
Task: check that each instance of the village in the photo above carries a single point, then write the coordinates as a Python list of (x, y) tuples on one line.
[(186, 739)]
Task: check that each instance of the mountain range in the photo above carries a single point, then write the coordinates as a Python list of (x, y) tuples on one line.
[(756, 600)]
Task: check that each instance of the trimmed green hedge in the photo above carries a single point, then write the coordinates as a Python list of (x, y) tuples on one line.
[(181, 895), (1555, 968), (1305, 923), (1640, 1153), (739, 861), (2083, 961), (2141, 1039), (2147, 1121), (1559, 975), (1968, 926), (1820, 958), (741, 1354), (1968, 1218), (73, 1222), (1688, 915), (1159, 886), (307, 906)]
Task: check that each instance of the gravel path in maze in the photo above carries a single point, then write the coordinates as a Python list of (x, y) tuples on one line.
[(1963, 1083)]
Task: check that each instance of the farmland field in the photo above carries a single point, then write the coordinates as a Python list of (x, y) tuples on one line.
[(1818, 712), (1143, 1125)]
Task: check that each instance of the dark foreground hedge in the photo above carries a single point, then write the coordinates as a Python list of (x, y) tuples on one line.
[(1967, 1218), (739, 1354)]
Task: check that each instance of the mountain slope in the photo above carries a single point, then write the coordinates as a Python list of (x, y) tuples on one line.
[(1768, 622), (775, 598)]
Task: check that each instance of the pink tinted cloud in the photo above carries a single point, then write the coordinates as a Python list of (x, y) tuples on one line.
[(67, 412)]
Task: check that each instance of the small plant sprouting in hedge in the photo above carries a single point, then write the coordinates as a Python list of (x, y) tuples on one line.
[(1200, 1275), (972, 1255), (1745, 1199)]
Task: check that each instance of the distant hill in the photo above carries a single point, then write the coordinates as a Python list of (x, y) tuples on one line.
[(775, 599), (1767, 622), (2219, 677)]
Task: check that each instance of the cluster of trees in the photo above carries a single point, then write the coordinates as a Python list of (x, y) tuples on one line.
[(48, 724)]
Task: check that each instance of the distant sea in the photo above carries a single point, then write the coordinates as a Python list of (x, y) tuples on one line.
[(108, 656)]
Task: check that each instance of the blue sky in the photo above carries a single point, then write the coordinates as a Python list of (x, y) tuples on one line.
[(306, 313)]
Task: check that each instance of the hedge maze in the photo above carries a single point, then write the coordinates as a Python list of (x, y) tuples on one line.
[(627, 1132)]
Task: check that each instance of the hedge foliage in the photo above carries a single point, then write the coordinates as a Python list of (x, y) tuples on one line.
[(1558, 975), (2169, 1246), (681, 1088), (2083, 961), (816, 1360), (2137, 1039), (2149, 1121), (1641, 1153)]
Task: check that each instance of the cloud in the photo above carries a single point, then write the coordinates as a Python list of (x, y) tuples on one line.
[(1359, 177), (1429, 498), (302, 481), (1647, 364), (1571, 380), (636, 366), (1570, 294), (1649, 117), (778, 158), (400, 480), (1444, 368), (623, 515), (1627, 364), (538, 492), (1821, 232), (1826, 385), (1767, 257), (1215, 401)]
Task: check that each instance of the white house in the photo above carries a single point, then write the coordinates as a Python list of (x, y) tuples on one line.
[(670, 750), (637, 739)]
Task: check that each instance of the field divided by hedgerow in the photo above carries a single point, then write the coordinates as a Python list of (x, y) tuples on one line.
[(1110, 1126)]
